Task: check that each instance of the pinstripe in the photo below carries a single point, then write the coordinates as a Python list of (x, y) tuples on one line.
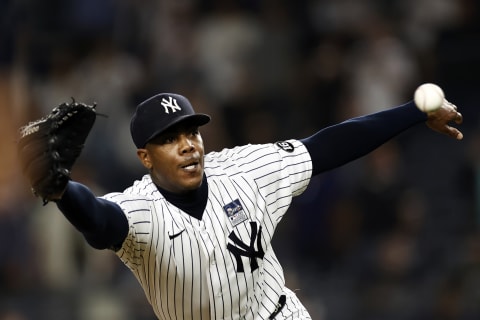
[(183, 264), (156, 276)]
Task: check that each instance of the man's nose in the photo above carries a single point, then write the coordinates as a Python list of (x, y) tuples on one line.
[(186, 145)]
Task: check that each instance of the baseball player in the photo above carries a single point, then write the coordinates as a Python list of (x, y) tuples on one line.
[(196, 230)]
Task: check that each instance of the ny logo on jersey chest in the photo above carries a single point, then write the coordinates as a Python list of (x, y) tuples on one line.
[(240, 249)]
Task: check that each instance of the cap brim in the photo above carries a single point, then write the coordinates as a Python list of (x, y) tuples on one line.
[(198, 119)]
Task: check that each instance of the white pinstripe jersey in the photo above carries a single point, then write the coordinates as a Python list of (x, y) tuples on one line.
[(222, 266)]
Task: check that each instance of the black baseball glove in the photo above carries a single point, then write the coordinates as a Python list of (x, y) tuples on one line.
[(48, 147)]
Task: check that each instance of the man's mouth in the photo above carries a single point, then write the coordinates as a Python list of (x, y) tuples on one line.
[(191, 165)]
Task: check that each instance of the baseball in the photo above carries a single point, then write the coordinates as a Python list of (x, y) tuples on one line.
[(428, 97)]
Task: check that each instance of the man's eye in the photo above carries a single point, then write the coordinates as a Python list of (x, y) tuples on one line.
[(195, 132), (169, 140)]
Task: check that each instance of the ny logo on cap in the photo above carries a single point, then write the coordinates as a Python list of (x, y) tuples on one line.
[(170, 103)]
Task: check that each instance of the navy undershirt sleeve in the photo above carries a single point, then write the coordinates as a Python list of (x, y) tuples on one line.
[(339, 144), (102, 222)]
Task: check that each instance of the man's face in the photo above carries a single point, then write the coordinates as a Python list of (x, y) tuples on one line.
[(175, 158)]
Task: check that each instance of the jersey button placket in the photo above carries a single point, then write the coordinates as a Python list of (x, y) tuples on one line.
[(215, 287), (213, 271)]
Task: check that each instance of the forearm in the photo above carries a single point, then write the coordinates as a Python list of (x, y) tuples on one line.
[(102, 222), (339, 144)]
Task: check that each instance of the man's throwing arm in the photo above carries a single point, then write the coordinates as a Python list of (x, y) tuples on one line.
[(339, 144)]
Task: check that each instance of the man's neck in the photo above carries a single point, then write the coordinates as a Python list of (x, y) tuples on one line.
[(192, 202)]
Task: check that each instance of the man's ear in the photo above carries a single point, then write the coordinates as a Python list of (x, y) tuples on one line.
[(144, 158)]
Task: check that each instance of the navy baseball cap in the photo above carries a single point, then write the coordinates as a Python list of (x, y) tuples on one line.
[(158, 113)]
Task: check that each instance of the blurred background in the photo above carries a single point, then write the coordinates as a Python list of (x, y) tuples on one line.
[(394, 235)]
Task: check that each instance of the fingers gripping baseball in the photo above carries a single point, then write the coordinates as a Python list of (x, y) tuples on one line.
[(48, 147), (440, 120), (430, 98)]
